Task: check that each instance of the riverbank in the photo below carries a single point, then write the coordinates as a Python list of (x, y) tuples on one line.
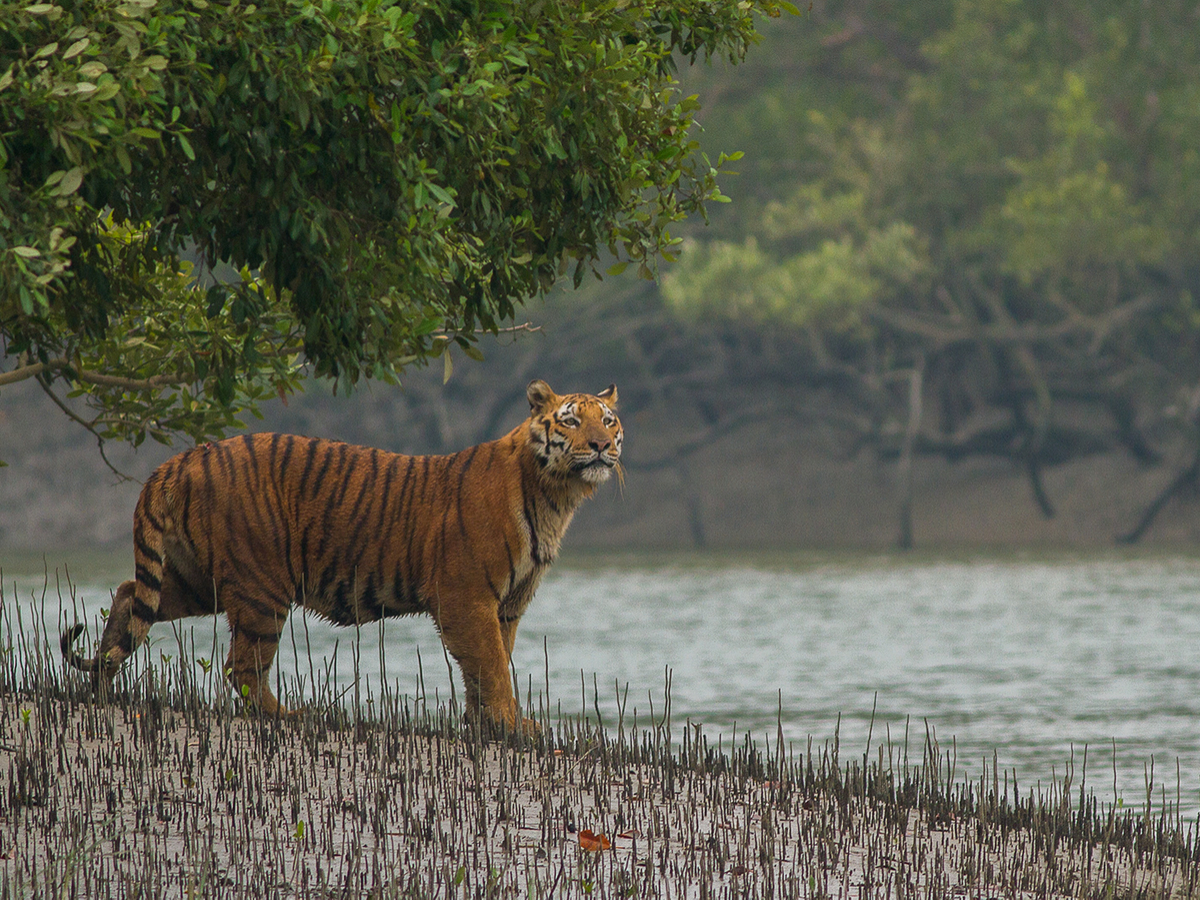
[(161, 793), (776, 484)]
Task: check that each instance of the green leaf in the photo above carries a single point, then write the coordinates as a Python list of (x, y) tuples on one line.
[(70, 182), (187, 147), (107, 90), (441, 193), (76, 48), (428, 326)]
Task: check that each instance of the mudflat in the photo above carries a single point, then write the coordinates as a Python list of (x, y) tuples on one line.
[(167, 795)]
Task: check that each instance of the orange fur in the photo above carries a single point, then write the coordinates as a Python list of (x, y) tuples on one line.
[(254, 525)]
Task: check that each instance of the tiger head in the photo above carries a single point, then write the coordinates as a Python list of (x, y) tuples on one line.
[(575, 435)]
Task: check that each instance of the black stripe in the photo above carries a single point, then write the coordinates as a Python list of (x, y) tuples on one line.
[(458, 500), (145, 577), (206, 461), (311, 448), (145, 549), (142, 610), (251, 455), (183, 490), (530, 517), (268, 607), (340, 610), (331, 503), (358, 520), (306, 568), (520, 588), (280, 463), (370, 599), (305, 561), (259, 637), (286, 520), (399, 589), (327, 576), (492, 585), (407, 516), (319, 478), (224, 457), (368, 483), (152, 488), (231, 530), (381, 502)]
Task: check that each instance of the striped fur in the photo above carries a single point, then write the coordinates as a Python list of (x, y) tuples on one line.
[(254, 525)]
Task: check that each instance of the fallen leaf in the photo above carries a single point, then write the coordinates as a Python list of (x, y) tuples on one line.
[(593, 842)]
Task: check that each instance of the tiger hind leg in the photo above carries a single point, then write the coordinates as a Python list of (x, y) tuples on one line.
[(251, 653)]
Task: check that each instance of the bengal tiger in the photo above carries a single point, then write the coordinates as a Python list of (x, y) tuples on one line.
[(253, 526)]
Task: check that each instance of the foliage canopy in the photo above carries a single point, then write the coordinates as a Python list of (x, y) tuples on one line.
[(388, 178)]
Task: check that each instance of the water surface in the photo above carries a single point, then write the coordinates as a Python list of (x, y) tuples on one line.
[(1023, 660)]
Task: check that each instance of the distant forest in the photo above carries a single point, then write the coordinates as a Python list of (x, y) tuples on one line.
[(963, 244)]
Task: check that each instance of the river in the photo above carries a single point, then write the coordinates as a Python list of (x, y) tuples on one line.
[(1025, 661)]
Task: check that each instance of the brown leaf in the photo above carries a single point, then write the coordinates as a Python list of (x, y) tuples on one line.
[(593, 842)]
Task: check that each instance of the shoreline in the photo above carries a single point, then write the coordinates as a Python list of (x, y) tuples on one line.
[(160, 793), (171, 789)]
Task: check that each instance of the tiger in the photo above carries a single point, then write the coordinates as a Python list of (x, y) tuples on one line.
[(253, 526)]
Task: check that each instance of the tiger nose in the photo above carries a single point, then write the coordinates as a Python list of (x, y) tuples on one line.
[(601, 445)]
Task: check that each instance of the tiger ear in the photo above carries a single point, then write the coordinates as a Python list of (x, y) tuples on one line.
[(540, 395), (609, 395)]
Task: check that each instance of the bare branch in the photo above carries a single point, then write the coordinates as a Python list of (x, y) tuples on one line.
[(946, 330), (90, 426)]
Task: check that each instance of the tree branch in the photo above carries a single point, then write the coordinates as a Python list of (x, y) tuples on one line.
[(90, 426), (33, 370)]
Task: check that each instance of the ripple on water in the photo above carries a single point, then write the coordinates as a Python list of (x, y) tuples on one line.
[(1031, 660)]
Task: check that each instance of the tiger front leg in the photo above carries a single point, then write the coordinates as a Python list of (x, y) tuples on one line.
[(481, 648)]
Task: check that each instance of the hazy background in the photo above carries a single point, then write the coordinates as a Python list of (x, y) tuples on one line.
[(951, 304)]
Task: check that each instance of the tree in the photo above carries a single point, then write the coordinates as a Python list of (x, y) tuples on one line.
[(987, 228), (386, 180)]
